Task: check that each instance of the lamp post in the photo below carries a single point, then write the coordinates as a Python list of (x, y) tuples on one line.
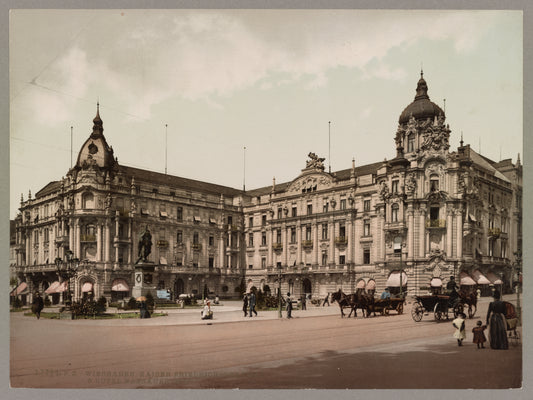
[(279, 291), (66, 269), (517, 276)]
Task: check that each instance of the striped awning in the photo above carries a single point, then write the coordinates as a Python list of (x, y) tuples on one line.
[(87, 287), (19, 289), (493, 278), (52, 288), (480, 278), (466, 280), (63, 286), (435, 282), (394, 279), (371, 285), (120, 285), (360, 285)]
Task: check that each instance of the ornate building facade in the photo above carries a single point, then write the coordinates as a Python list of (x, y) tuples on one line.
[(412, 221)]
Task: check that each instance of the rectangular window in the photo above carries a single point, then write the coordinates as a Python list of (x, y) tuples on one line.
[(294, 212), (434, 184), (324, 231), (434, 213), (263, 220), (211, 262), (324, 258), (395, 185), (179, 213), (250, 239), (394, 213), (250, 222), (211, 240), (179, 237), (367, 205), (411, 143), (230, 220), (263, 239), (307, 233), (278, 236), (343, 204), (342, 260), (342, 230), (280, 213), (250, 266), (366, 256), (325, 208), (293, 235), (195, 238), (309, 209), (263, 262), (366, 228)]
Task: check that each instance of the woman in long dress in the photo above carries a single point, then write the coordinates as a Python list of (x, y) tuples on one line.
[(497, 323)]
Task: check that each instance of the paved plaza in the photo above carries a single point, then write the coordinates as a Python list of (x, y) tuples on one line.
[(316, 349)]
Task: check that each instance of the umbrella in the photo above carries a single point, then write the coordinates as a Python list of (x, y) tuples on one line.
[(141, 298)]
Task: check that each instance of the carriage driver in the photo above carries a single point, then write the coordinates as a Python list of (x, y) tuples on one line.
[(451, 288)]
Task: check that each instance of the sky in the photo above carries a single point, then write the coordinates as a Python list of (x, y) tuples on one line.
[(242, 96)]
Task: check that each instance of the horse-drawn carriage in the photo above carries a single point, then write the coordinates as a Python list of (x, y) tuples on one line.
[(438, 304), (384, 306)]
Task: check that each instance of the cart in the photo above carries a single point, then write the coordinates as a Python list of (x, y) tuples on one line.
[(384, 306), (437, 304), (511, 319)]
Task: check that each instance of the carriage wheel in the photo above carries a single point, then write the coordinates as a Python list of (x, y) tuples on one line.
[(471, 310), (458, 309), (417, 311), (439, 312), (399, 309)]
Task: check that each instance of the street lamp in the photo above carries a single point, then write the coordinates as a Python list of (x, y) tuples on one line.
[(66, 269), (517, 276), (279, 291)]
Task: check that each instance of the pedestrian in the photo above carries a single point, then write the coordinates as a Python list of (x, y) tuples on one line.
[(479, 336), (37, 305), (206, 312), (145, 313), (326, 300), (245, 304), (497, 323), (252, 304), (460, 329), (304, 303), (289, 306), (478, 293)]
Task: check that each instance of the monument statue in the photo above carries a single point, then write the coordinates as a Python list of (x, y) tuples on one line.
[(145, 245)]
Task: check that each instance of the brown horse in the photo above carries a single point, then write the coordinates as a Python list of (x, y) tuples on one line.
[(343, 301), (354, 301), (470, 299)]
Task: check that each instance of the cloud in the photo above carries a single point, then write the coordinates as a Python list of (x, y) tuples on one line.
[(201, 55)]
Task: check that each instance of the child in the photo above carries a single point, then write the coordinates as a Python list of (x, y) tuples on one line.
[(479, 336), (460, 331)]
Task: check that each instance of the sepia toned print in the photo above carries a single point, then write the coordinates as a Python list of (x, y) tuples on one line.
[(288, 200)]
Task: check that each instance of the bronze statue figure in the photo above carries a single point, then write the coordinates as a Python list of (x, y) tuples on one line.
[(145, 244)]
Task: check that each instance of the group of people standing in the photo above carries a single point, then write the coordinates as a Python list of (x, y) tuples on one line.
[(248, 304), (495, 321)]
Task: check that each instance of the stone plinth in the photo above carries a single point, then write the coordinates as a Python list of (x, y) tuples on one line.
[(144, 284)]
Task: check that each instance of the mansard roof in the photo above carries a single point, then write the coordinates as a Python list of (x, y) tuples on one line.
[(487, 164), (157, 178), (51, 187)]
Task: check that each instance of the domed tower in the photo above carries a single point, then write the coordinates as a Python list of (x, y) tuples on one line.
[(421, 125)]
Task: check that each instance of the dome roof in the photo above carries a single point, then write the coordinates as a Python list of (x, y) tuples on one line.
[(421, 107)]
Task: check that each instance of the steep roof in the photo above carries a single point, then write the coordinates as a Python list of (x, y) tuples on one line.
[(51, 187), (487, 164)]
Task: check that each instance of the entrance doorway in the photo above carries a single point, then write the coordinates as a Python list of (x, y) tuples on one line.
[(179, 287)]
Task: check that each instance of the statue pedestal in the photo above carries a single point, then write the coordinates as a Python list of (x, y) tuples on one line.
[(144, 284)]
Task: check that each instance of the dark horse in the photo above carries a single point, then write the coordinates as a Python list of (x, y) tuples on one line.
[(470, 299), (353, 301)]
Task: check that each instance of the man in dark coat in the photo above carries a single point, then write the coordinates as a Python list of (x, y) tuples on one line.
[(289, 306), (252, 304), (37, 305)]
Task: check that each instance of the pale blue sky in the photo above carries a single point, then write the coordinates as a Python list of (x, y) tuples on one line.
[(268, 80)]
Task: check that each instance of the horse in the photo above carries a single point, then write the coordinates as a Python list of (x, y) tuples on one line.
[(470, 299), (354, 301), (343, 301)]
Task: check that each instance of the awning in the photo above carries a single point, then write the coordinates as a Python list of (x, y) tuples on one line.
[(394, 279), (20, 288), (472, 218), (162, 260), (435, 282), (493, 278), (120, 285), (163, 214), (480, 278), (360, 285), (197, 219), (87, 287), (466, 280), (52, 288), (62, 287), (212, 221), (371, 285)]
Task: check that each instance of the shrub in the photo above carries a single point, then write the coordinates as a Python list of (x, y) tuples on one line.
[(101, 305), (17, 303), (47, 302), (150, 301), (131, 304)]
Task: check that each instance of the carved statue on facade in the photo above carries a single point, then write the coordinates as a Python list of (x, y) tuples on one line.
[(108, 201), (384, 191), (145, 245), (410, 183), (315, 162)]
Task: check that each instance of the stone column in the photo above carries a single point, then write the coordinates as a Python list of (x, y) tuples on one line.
[(459, 237), (130, 241), (299, 243), (331, 233), (284, 241), (422, 233), (349, 248), (449, 233), (99, 242), (314, 230), (77, 251), (270, 260), (410, 233), (107, 241), (221, 251)]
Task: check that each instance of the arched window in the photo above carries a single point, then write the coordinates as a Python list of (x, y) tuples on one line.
[(434, 183)]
